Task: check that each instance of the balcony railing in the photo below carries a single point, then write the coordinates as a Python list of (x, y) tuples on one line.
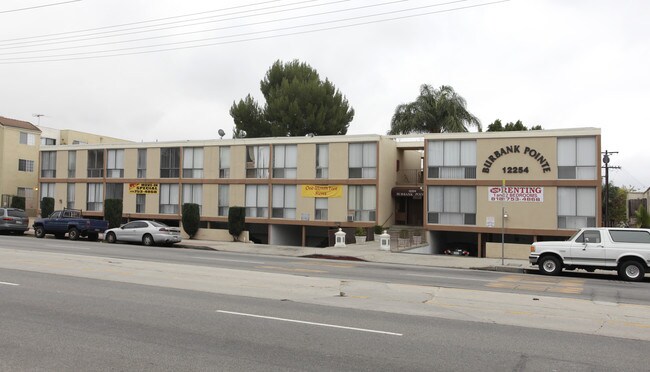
[(410, 177)]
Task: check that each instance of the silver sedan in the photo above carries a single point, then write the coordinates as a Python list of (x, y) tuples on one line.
[(145, 232)]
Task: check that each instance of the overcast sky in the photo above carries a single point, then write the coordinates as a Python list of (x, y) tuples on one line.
[(559, 64)]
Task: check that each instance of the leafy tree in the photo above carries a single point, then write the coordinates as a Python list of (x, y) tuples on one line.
[(18, 202), (236, 221), (298, 103), (191, 218), (642, 217), (47, 206), (113, 212), (497, 126), (433, 111), (616, 208)]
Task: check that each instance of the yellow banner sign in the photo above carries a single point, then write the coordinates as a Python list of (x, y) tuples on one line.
[(322, 191), (143, 188)]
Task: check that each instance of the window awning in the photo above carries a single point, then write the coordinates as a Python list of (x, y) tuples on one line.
[(407, 192)]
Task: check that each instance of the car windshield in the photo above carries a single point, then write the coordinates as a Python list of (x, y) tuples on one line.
[(16, 213), (158, 224)]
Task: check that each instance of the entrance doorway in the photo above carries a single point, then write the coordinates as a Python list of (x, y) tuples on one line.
[(408, 206)]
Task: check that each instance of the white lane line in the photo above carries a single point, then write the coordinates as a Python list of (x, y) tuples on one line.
[(310, 323), (451, 277), (7, 283), (225, 259)]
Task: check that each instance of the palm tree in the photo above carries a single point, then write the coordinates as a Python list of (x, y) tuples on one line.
[(434, 111)]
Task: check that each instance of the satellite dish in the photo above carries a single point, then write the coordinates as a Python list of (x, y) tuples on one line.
[(221, 133)]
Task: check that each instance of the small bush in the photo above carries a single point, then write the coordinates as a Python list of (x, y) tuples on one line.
[(379, 229), (360, 231), (236, 221), (113, 212), (191, 218), (47, 206), (18, 202)]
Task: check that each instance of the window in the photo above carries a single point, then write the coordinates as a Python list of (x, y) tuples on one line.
[(257, 201), (630, 236), (322, 161), (451, 205), (77, 142), (95, 200), (362, 202), (193, 162), (576, 207), (25, 192), (140, 203), (320, 208), (25, 165), (27, 139), (451, 159), (224, 200), (142, 163), (95, 163), (72, 164), (114, 191), (257, 161), (48, 141), (285, 158), (362, 160), (224, 162), (70, 196), (589, 236), (169, 162), (48, 164), (47, 190), (169, 198), (576, 158), (284, 201), (115, 164), (193, 193)]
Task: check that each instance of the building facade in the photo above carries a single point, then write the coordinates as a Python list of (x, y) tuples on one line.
[(461, 189)]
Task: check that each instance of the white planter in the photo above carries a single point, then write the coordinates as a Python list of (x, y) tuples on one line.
[(403, 242), (360, 239)]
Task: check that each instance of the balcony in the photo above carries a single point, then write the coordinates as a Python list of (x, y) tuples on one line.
[(410, 177)]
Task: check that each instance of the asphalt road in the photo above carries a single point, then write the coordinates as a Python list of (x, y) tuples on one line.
[(64, 323), (579, 285)]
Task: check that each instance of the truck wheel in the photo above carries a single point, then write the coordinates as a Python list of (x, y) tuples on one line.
[(549, 265), (632, 271), (73, 233), (147, 240), (39, 232), (110, 238)]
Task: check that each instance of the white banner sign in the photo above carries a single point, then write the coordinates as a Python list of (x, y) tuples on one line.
[(516, 194)]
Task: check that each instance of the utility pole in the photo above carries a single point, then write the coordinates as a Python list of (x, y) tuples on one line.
[(607, 167)]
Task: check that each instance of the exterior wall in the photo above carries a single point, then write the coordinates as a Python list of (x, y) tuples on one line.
[(68, 137), (387, 174), (10, 152), (510, 250)]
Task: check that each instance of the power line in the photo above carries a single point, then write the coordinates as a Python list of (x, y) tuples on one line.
[(37, 6), (73, 55)]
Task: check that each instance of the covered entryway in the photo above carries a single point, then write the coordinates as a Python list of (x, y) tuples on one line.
[(408, 205)]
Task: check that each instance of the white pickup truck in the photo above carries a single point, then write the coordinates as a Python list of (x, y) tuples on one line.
[(625, 250)]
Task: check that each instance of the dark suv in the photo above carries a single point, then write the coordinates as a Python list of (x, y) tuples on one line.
[(13, 220)]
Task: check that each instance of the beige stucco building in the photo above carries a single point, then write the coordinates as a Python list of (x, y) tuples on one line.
[(299, 190)]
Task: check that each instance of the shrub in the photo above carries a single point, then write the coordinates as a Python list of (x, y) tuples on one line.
[(191, 218), (236, 221), (404, 234), (113, 212), (18, 202), (379, 229), (360, 231), (47, 206), (642, 217)]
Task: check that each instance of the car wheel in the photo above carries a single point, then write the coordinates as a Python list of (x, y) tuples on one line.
[(632, 271), (110, 237), (550, 265), (73, 233), (147, 240), (39, 232)]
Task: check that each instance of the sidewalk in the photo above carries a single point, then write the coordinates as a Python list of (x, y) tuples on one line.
[(368, 251)]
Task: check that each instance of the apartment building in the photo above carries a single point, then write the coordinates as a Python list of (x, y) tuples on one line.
[(462, 189)]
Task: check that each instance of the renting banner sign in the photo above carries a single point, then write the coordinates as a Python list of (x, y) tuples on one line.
[(524, 194)]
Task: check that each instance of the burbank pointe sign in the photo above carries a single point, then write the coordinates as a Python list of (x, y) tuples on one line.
[(515, 168)]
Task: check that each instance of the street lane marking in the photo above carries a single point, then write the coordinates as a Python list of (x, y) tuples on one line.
[(310, 323), (225, 259), (290, 270), (7, 283), (539, 284), (450, 277)]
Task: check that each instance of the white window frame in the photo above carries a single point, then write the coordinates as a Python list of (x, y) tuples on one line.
[(451, 159), (72, 164), (95, 197), (577, 158), (576, 207), (48, 164), (193, 193), (451, 205), (70, 195), (224, 162), (169, 198), (223, 200), (257, 201), (257, 161), (362, 160), (28, 139), (115, 163), (362, 202), (322, 160), (142, 163), (285, 161), (26, 165), (193, 162), (321, 206), (284, 202)]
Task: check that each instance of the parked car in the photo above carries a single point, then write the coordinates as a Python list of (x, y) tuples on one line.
[(13, 220), (69, 221), (145, 232), (456, 252)]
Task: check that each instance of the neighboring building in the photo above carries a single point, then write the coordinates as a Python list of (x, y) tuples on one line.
[(635, 199), (299, 190), (21, 161)]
